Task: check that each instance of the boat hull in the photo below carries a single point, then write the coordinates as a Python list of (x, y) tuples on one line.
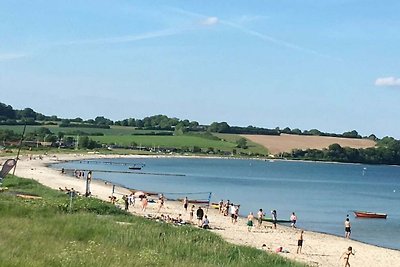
[(372, 215)]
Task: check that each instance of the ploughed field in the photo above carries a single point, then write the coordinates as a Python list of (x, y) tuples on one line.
[(286, 142)]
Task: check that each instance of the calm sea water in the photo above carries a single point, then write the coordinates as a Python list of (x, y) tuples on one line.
[(321, 194)]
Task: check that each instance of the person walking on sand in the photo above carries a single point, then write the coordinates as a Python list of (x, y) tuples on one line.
[(293, 219), (185, 203), (347, 228), (260, 216), (300, 242), (250, 218), (346, 256)]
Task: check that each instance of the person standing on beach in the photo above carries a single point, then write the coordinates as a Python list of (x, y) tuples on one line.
[(347, 228), (132, 200), (126, 201), (191, 213), (250, 218), (346, 256), (274, 218), (300, 242), (161, 200), (293, 219), (220, 205), (260, 216), (236, 216), (185, 203), (199, 214), (144, 203), (232, 211)]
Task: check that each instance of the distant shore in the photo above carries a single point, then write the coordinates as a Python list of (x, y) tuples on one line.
[(319, 249)]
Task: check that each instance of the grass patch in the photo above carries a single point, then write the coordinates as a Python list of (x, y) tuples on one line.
[(253, 147), (43, 233), (179, 141)]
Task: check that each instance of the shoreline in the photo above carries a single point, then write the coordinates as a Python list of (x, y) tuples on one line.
[(319, 249)]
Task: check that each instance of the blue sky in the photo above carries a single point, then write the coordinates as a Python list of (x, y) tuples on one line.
[(332, 65)]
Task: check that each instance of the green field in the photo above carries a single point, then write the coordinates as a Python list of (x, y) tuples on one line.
[(253, 147), (44, 232), (114, 130), (125, 136), (180, 141)]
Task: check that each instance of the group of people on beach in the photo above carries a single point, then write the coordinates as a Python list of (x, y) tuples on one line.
[(229, 209)]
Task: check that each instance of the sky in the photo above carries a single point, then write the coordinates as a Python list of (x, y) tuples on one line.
[(332, 65)]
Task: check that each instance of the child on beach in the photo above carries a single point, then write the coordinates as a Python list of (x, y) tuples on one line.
[(250, 218), (206, 223)]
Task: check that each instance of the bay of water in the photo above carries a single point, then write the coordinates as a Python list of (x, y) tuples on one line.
[(321, 194)]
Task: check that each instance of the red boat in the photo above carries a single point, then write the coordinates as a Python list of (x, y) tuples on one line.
[(367, 214)]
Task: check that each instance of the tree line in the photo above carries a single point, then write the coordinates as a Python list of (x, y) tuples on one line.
[(10, 116), (386, 151)]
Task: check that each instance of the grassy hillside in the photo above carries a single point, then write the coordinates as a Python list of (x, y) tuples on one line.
[(125, 136), (43, 232)]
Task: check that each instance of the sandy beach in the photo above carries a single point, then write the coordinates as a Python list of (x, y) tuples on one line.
[(318, 249)]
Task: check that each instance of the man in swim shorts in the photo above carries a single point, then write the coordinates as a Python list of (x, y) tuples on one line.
[(347, 228), (300, 242)]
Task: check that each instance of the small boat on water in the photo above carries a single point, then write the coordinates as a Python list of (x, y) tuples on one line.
[(367, 214), (135, 168)]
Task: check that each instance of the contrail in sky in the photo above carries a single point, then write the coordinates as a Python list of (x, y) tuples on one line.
[(123, 39), (11, 56), (259, 35)]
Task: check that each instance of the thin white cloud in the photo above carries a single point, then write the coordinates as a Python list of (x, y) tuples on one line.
[(256, 34), (250, 18), (125, 38), (387, 81), (210, 21), (11, 56)]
